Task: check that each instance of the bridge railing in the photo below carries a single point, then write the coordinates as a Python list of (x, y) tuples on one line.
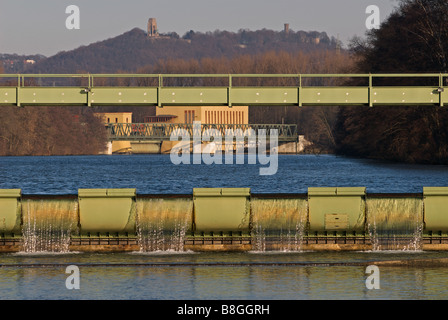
[(223, 89), (187, 80), (165, 131)]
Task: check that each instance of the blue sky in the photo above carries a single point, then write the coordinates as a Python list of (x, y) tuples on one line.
[(38, 26)]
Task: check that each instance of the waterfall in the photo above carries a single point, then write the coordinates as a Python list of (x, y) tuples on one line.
[(162, 224), (278, 224), (395, 223), (48, 225)]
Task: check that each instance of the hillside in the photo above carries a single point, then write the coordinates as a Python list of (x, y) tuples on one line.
[(14, 63), (133, 49)]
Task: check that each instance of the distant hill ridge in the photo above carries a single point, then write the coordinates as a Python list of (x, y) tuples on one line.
[(134, 49), (15, 63)]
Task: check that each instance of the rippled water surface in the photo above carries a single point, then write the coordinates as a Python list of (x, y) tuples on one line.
[(242, 276), (155, 174)]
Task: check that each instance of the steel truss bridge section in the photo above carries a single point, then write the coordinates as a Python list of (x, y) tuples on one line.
[(164, 131)]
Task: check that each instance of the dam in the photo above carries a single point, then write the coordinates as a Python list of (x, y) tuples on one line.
[(224, 219)]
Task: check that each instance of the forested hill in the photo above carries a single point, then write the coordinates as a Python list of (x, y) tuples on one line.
[(134, 49), (15, 63)]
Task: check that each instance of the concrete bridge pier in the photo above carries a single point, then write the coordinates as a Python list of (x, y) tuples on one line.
[(135, 147), (146, 147)]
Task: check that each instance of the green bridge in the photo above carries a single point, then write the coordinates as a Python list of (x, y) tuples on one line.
[(222, 89), (164, 131)]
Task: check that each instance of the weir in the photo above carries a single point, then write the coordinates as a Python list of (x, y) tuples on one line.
[(278, 224), (395, 223), (162, 224), (223, 219), (48, 224)]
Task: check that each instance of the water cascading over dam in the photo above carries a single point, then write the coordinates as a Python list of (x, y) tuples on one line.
[(223, 219), (162, 224), (395, 223), (278, 224), (48, 224)]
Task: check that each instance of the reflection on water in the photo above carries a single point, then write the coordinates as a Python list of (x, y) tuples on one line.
[(109, 276)]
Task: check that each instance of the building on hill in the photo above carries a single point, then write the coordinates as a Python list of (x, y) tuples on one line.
[(152, 28)]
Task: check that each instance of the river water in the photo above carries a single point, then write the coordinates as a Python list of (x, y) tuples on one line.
[(166, 275), (155, 174)]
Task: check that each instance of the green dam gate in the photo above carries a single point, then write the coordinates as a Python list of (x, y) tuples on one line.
[(220, 219)]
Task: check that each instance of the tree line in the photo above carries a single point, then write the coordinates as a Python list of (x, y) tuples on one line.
[(50, 131), (414, 39)]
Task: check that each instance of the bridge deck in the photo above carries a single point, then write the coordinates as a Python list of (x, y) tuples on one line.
[(220, 90)]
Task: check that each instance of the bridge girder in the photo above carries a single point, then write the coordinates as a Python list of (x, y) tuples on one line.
[(25, 92)]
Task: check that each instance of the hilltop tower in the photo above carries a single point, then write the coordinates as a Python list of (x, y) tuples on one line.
[(152, 28)]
